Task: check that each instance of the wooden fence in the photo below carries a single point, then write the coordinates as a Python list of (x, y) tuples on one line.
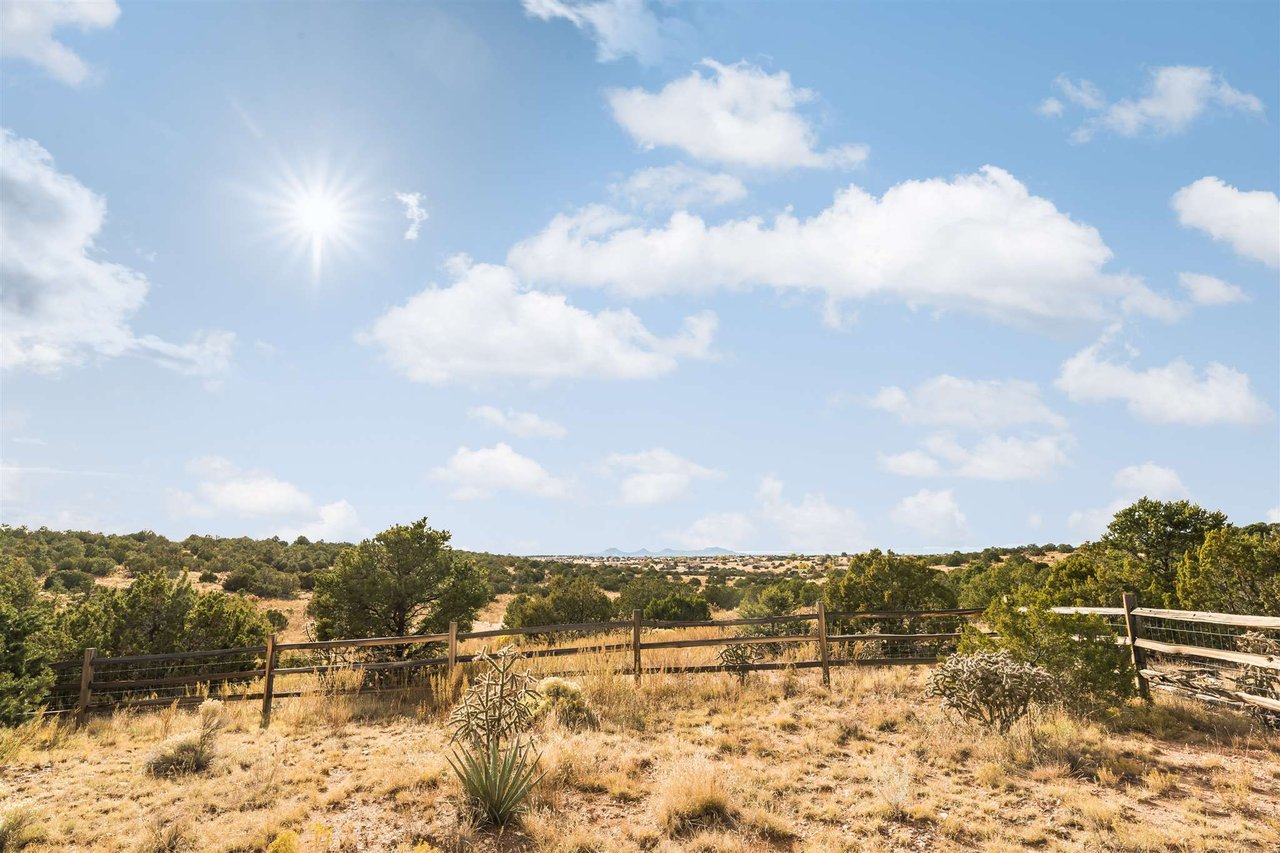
[(1223, 657)]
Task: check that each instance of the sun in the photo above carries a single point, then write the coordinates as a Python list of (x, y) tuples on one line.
[(316, 213)]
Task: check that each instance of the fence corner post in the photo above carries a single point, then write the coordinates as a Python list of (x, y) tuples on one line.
[(453, 647), (1133, 628), (635, 643), (823, 653), (268, 679), (86, 686)]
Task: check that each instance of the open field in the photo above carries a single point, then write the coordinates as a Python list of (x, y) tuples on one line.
[(778, 764)]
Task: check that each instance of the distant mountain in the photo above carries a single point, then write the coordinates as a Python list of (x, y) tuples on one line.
[(665, 552)]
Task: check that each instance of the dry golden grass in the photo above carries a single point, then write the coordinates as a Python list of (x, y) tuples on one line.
[(694, 762)]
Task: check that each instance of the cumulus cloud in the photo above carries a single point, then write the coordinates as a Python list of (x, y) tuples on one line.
[(678, 187), (485, 326), (61, 304), (1209, 290), (485, 472), (993, 457), (1147, 479), (415, 211), (933, 514), (980, 243), (1273, 515), (525, 424), (27, 28), (1248, 221), (810, 525), (1175, 97), (1175, 393), (655, 476), (980, 404), (739, 115), (224, 488), (618, 27)]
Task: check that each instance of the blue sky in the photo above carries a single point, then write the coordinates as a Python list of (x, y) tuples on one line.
[(570, 275)]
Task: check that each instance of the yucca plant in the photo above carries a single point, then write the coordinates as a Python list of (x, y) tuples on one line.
[(497, 778)]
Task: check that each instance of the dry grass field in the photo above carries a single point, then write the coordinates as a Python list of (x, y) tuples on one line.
[(694, 762)]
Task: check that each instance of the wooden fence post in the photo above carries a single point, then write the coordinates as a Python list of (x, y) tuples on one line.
[(635, 643), (453, 647), (1133, 626), (822, 645), (268, 679), (86, 680)]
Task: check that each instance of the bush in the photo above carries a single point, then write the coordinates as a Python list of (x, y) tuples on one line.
[(193, 753), (19, 828), (564, 602), (564, 700), (990, 688), (69, 580), (277, 620), (263, 582), (208, 576), (679, 607), (25, 677), (1078, 651), (738, 657)]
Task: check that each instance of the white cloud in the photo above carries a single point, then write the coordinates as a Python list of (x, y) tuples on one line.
[(912, 463), (226, 488), (934, 514), (1174, 393), (618, 27), (978, 404), (485, 472), (679, 186), (1130, 483), (1175, 97), (60, 303), (335, 522), (732, 530), (655, 476), (740, 115), (981, 243), (525, 424), (26, 32), (814, 525), (992, 458), (1249, 221), (485, 326), (415, 211), (1273, 515), (1209, 290), (1051, 108)]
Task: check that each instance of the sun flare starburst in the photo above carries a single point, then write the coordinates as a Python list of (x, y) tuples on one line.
[(317, 213)]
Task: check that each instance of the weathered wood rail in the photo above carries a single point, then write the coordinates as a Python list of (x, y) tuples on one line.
[(866, 638)]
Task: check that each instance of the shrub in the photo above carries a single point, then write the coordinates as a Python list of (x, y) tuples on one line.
[(19, 828), (738, 657), (25, 677), (564, 602), (564, 700), (990, 688), (694, 797), (263, 582), (208, 577), (277, 620), (286, 842), (193, 753), (1078, 651), (679, 607)]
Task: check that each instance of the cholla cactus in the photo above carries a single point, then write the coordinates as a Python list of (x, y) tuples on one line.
[(991, 688), (739, 656), (499, 705), (563, 700)]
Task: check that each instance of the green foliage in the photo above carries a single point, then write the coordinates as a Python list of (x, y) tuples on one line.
[(1096, 576), (721, 596), (991, 688), (496, 779), (1155, 535), (981, 582), (1232, 572), (1078, 651), (678, 607), (887, 581), (406, 580), (563, 602), (277, 619), (25, 676), (262, 581)]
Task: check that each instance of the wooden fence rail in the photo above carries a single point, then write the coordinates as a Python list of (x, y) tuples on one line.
[(107, 676)]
